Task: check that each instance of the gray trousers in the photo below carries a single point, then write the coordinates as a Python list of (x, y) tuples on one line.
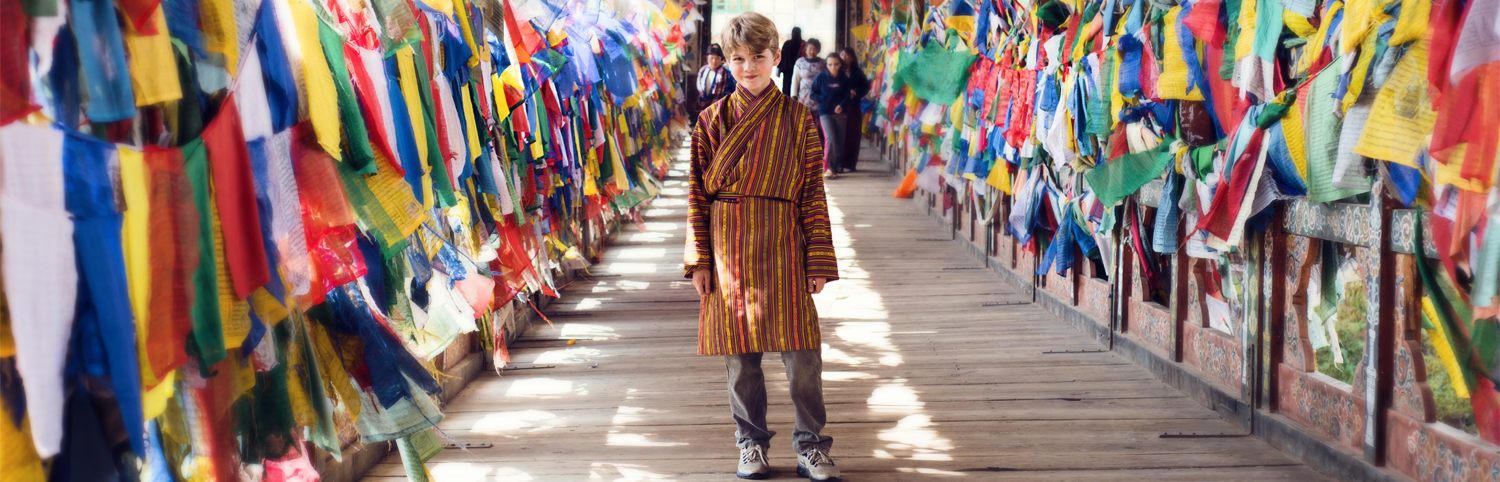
[(833, 140), (747, 399)]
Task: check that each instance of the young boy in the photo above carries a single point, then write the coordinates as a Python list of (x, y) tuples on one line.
[(759, 246)]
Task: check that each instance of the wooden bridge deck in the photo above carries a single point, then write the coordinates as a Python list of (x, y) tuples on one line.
[(921, 381)]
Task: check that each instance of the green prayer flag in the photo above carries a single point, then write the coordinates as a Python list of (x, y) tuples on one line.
[(440, 180), (361, 155), (936, 74), (1117, 179), (208, 331)]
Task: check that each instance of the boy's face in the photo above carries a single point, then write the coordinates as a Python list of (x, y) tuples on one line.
[(715, 61), (753, 70)]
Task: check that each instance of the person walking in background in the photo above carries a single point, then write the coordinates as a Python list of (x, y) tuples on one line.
[(807, 69), (790, 51), (859, 86), (831, 90), (758, 246), (714, 81)]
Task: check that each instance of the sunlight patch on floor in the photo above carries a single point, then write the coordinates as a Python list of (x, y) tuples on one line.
[(625, 472), (621, 285), (835, 355), (650, 237), (640, 253), (915, 436), (844, 376), (587, 331), (460, 472), (540, 387), (927, 471), (566, 356), (524, 421), (637, 440), (630, 268)]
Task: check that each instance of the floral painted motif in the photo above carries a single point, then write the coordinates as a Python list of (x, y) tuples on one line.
[(1095, 298), (1062, 285), (1409, 392), (1431, 452), (1296, 348), (1152, 324), (1404, 233), (1344, 223), (1215, 354), (1320, 403)]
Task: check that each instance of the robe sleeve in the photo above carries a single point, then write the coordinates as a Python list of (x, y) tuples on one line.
[(699, 247), (817, 235)]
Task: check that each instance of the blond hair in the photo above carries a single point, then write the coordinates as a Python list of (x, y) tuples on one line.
[(751, 31)]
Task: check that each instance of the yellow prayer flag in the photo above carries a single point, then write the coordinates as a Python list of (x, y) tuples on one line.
[(1173, 82), (1402, 116), (470, 130), (19, 461), (153, 68), (1444, 349), (1359, 77), (322, 98), (445, 6), (234, 313), (221, 33), (135, 239), (1296, 143), (1412, 24), (154, 400)]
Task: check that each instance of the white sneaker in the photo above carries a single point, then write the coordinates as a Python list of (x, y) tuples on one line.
[(753, 464), (817, 466)]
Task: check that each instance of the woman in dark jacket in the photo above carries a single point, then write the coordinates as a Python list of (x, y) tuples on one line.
[(859, 86), (831, 90), (791, 50)]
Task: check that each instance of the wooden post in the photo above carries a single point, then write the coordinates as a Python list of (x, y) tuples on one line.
[(1276, 312), (1384, 334), (1179, 298)]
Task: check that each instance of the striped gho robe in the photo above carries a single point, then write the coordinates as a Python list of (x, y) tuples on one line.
[(758, 217)]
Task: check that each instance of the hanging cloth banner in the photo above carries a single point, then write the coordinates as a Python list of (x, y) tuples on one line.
[(104, 303), (41, 274), (234, 192)]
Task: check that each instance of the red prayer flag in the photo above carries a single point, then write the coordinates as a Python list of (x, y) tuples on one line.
[(174, 257), (234, 190), (513, 32)]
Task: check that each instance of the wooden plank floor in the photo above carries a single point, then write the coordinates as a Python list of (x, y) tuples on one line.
[(921, 382)]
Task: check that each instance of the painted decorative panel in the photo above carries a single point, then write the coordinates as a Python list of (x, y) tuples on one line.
[(1433, 452), (1095, 298), (1025, 262), (1324, 405), (1345, 223), (1404, 233), (1213, 353), (1296, 349), (1062, 285), (1194, 295), (1153, 324)]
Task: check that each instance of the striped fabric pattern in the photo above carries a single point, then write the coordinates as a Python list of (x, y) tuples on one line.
[(758, 216)]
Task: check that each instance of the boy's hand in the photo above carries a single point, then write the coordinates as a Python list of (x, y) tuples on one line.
[(838, 110), (815, 285), (703, 280)]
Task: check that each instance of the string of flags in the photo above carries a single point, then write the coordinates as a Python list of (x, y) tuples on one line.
[(1069, 107), (233, 231)]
